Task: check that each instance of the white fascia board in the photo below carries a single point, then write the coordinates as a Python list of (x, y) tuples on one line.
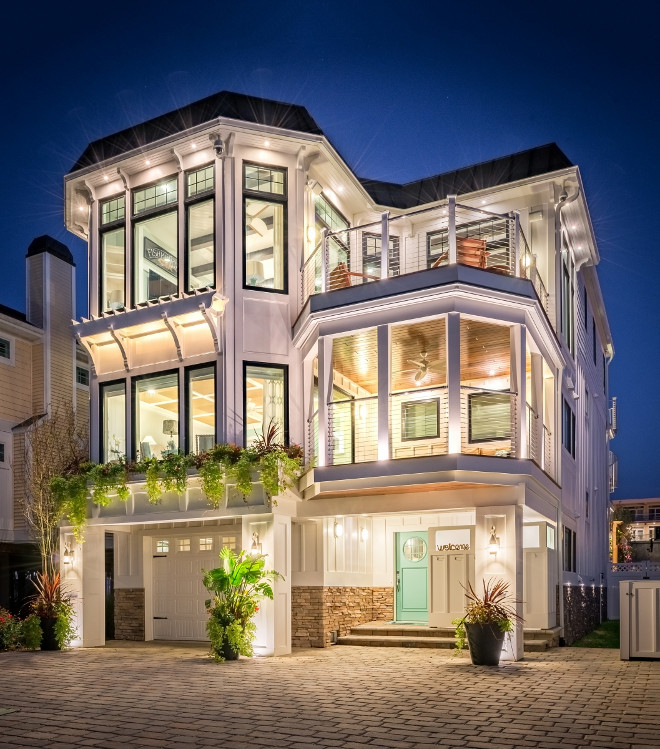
[(20, 329)]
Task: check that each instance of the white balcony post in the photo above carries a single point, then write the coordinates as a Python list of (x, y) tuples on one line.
[(325, 389), (324, 261), (519, 386), (383, 338), (516, 243), (451, 229), (454, 382), (384, 244)]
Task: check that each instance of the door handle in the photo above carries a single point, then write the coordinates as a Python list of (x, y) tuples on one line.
[(398, 581)]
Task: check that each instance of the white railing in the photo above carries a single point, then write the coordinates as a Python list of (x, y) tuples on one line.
[(533, 435)]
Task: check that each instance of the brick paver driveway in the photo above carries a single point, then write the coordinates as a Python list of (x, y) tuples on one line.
[(173, 696)]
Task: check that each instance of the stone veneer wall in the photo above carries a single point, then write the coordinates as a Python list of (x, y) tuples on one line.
[(317, 612), (129, 613), (585, 606)]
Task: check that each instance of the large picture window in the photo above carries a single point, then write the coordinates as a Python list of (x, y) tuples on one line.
[(419, 419), (489, 416), (200, 408), (264, 226), (265, 401), (155, 265), (156, 415), (113, 420)]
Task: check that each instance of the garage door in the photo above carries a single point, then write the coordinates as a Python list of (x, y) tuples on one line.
[(179, 595)]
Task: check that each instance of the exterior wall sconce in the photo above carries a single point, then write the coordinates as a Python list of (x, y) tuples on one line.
[(494, 542), (255, 549), (311, 234), (339, 529), (364, 534), (67, 557)]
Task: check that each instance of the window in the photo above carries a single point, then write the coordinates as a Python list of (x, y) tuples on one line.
[(199, 181), (183, 544), (568, 428), (206, 544), (5, 348), (567, 299), (419, 419), (437, 249), (162, 546), (156, 414), (155, 265), (265, 401), (593, 340), (113, 420), (586, 309), (200, 258), (200, 407), (371, 255), (326, 216), (586, 505), (155, 196), (489, 416), (113, 210), (2, 452), (82, 376), (113, 269), (264, 227), (569, 550)]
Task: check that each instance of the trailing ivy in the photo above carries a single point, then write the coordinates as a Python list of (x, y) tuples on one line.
[(276, 466)]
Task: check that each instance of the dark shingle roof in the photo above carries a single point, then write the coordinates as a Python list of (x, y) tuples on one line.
[(530, 163), (46, 243), (10, 312), (223, 104)]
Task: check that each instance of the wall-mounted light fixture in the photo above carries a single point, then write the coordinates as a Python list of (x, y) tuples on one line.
[(494, 542), (255, 549), (339, 529), (311, 234), (218, 303), (364, 534), (67, 557)]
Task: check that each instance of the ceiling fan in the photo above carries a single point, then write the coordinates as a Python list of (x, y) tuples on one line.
[(423, 365)]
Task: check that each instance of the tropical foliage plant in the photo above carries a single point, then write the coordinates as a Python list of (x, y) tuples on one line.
[(236, 588), (495, 605), (51, 602)]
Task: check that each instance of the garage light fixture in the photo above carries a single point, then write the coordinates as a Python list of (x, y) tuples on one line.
[(255, 549), (494, 542)]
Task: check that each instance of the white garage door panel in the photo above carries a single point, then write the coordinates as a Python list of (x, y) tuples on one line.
[(179, 594)]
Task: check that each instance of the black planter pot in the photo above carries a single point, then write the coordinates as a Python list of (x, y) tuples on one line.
[(48, 639), (485, 642), (228, 653)]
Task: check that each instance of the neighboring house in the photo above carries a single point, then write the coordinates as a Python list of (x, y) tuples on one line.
[(440, 349), (40, 363)]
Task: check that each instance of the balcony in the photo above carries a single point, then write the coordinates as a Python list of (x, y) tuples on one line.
[(453, 234), (419, 425)]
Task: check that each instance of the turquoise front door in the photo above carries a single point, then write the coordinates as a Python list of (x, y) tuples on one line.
[(411, 576)]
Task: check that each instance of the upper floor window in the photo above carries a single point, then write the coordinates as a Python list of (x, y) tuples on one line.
[(372, 256), (326, 216), (156, 414), (155, 256), (568, 428), (594, 340), (112, 397), (200, 408), (112, 254), (82, 376), (570, 549), (264, 227), (567, 298), (161, 194), (200, 229), (2, 452), (5, 348), (113, 210)]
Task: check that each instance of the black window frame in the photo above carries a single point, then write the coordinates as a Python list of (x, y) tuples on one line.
[(111, 226), (487, 394), (393, 259), (285, 370), (569, 549), (133, 425), (101, 401), (79, 371), (188, 202), (8, 343), (342, 244), (283, 200), (424, 401), (187, 413), (568, 428)]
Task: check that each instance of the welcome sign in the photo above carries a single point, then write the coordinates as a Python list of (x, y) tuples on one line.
[(452, 539)]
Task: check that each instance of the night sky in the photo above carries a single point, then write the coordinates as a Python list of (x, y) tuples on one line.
[(402, 91)]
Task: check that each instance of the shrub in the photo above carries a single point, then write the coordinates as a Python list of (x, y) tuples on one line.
[(19, 634)]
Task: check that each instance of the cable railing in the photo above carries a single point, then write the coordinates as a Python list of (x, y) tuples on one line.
[(421, 240), (548, 452), (353, 431), (312, 445), (533, 435)]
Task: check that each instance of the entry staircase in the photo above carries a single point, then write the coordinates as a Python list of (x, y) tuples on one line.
[(396, 635)]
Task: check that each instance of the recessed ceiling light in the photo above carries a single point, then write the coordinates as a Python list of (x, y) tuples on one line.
[(194, 145), (147, 162), (340, 188), (483, 202), (105, 177), (266, 143)]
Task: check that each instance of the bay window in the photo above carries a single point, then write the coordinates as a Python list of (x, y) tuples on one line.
[(264, 227)]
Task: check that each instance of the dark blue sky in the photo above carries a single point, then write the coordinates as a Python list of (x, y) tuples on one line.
[(402, 90)]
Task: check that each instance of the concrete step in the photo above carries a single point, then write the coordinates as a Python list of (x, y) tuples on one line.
[(379, 641)]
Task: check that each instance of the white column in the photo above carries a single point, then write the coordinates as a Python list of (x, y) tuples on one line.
[(454, 382), (384, 244), (325, 391), (519, 386), (383, 337)]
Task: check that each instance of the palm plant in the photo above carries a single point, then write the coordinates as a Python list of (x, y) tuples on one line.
[(236, 587)]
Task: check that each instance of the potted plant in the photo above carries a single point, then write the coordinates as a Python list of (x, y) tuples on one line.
[(488, 618), (55, 610), (236, 588)]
